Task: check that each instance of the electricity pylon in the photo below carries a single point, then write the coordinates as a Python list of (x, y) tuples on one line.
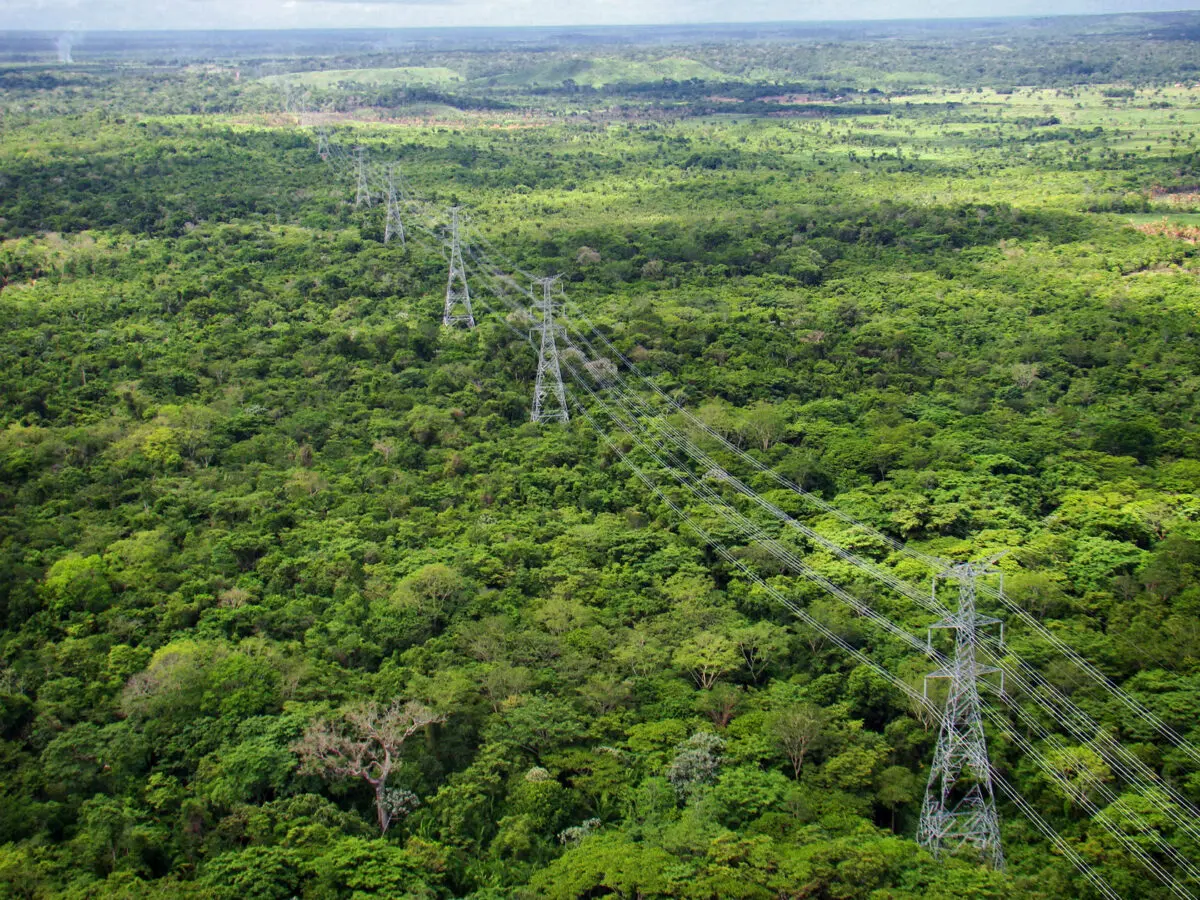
[(457, 293), (323, 143), (393, 224), (549, 383), (362, 193), (959, 812)]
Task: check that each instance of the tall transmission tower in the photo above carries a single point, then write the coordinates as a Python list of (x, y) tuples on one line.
[(323, 143), (393, 224), (362, 193), (549, 383), (959, 812), (458, 296)]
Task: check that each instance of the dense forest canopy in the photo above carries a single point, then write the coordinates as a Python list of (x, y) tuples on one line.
[(295, 601)]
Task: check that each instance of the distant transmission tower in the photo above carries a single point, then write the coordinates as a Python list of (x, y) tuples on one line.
[(549, 383), (457, 293), (393, 224), (362, 193), (323, 143), (959, 812)]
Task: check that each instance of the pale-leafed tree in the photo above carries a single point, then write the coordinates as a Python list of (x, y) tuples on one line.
[(502, 681), (706, 657), (366, 744), (384, 448), (797, 728), (432, 591)]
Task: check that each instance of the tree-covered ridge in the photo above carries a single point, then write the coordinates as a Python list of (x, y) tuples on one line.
[(259, 513)]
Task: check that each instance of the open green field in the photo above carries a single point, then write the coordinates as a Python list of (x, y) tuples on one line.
[(1174, 218), (404, 75), (600, 72)]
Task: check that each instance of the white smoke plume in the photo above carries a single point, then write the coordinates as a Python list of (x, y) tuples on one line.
[(64, 44)]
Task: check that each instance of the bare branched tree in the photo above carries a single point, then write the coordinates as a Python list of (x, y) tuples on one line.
[(366, 745)]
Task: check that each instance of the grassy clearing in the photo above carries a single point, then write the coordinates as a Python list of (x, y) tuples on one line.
[(599, 72), (407, 75), (1171, 218)]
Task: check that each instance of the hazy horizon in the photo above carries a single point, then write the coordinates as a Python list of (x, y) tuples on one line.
[(286, 15)]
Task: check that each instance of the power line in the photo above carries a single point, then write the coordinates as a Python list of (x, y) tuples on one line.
[(1007, 789), (1054, 837), (1081, 798), (966, 827), (982, 817), (1084, 729), (1146, 830), (936, 564), (871, 568)]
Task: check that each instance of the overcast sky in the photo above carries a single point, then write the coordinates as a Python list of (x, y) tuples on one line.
[(88, 15)]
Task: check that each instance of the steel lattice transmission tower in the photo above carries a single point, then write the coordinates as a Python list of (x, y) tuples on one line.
[(549, 383), (959, 812), (458, 296), (362, 193), (323, 143), (393, 224)]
